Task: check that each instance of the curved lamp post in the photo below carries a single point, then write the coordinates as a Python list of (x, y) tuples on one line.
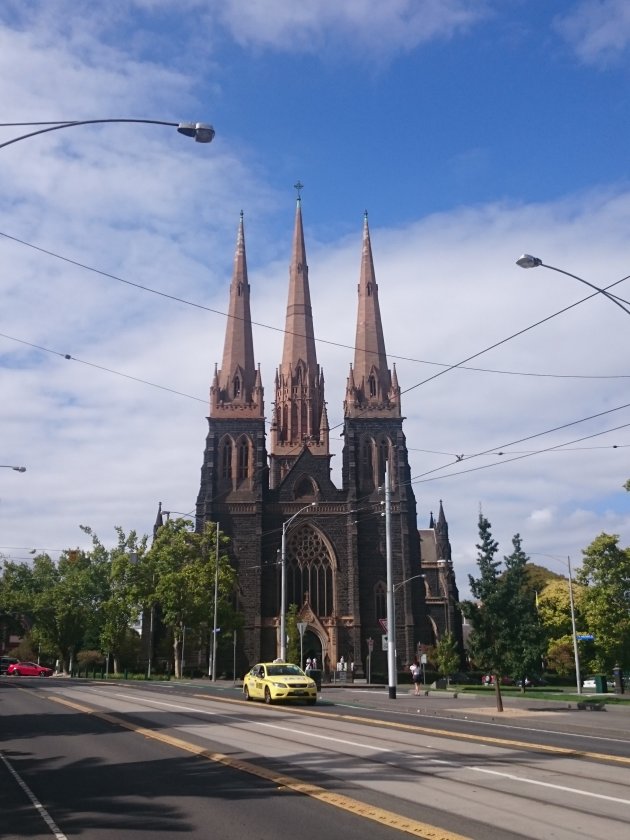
[(527, 261), (576, 653), (202, 132), (10, 467), (283, 581)]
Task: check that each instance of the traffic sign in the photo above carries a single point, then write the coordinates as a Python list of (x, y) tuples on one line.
[(370, 644), (383, 623), (585, 637)]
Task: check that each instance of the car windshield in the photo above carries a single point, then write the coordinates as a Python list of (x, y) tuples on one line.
[(283, 671)]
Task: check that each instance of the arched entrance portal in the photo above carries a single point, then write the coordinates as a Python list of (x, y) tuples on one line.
[(312, 648)]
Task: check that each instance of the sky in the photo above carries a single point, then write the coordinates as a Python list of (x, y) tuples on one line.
[(471, 131)]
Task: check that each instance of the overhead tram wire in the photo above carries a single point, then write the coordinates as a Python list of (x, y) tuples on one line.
[(524, 439), (420, 480), (447, 367)]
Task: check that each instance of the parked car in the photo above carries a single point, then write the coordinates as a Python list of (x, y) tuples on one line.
[(28, 669), (529, 681), (271, 681), (5, 661)]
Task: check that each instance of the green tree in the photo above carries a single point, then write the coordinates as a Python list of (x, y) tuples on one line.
[(525, 635), (605, 572), (554, 610), (447, 656), (506, 637), (183, 563), (119, 586), (293, 634)]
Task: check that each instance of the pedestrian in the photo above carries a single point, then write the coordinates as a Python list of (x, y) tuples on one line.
[(416, 675), (314, 663), (309, 664)]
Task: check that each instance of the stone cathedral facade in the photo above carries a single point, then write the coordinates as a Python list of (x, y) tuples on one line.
[(258, 482)]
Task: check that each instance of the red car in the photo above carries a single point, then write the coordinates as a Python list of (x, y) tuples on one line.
[(28, 669)]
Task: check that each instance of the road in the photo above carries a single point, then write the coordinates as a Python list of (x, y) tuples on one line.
[(137, 760)]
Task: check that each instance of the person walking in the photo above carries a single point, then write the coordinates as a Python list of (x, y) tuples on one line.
[(416, 675)]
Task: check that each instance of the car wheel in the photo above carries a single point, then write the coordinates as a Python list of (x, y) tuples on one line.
[(268, 699), (42, 673), (246, 693), (17, 674)]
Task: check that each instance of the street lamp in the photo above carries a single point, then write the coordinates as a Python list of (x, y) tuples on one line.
[(10, 467), (527, 261), (283, 581), (202, 132), (576, 653)]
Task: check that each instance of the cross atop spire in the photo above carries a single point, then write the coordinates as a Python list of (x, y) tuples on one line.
[(299, 186)]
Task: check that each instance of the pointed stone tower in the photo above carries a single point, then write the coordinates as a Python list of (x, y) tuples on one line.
[(234, 474), (442, 595), (373, 438), (299, 417)]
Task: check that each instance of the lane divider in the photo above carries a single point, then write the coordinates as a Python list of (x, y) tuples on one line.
[(345, 803), (445, 733)]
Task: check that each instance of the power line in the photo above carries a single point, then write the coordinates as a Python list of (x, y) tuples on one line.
[(447, 367), (518, 458)]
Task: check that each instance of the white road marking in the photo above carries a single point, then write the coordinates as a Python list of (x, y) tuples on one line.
[(59, 835), (522, 780), (512, 727)]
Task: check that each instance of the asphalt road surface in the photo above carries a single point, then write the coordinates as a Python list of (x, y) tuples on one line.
[(136, 760)]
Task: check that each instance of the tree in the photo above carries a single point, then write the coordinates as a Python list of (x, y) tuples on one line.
[(506, 637), (605, 572), (554, 611), (293, 644), (183, 563), (447, 656), (526, 643), (484, 614), (120, 590)]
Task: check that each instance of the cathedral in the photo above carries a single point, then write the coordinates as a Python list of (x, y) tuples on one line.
[(293, 532)]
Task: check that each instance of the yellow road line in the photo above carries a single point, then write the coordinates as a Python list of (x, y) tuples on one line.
[(445, 733), (345, 803)]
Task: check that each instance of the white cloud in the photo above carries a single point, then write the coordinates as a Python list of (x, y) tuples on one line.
[(540, 518), (384, 26), (598, 30)]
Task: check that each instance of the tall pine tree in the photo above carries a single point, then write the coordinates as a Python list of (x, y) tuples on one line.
[(506, 637)]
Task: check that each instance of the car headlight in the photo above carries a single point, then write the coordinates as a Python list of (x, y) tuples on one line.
[(278, 685)]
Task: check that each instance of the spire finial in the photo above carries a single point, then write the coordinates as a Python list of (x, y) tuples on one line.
[(299, 186)]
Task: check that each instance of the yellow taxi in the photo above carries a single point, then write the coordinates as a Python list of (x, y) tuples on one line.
[(271, 681)]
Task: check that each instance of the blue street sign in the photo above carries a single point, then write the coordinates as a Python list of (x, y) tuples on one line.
[(586, 637)]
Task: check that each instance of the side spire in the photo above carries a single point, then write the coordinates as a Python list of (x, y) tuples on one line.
[(235, 386), (375, 392)]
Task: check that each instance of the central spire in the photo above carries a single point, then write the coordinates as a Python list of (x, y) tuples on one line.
[(299, 341), (300, 414)]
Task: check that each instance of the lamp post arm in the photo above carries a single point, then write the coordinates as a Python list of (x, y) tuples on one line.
[(613, 298), (196, 130)]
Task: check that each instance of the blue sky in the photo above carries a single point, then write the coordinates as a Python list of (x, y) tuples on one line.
[(471, 131)]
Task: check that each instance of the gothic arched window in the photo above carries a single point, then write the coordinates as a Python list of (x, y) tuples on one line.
[(226, 458), (237, 385), (380, 600), (372, 385), (243, 459), (309, 570)]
